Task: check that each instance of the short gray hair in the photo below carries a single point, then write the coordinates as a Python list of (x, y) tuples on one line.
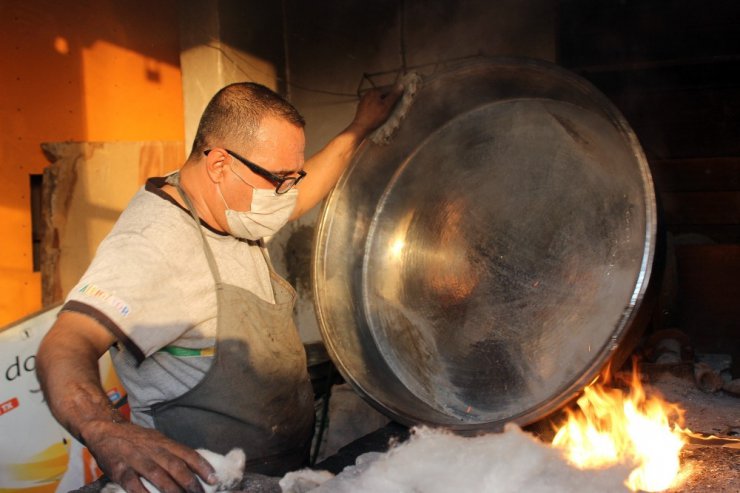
[(234, 115)]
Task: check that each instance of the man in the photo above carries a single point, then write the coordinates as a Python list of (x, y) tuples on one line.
[(182, 293)]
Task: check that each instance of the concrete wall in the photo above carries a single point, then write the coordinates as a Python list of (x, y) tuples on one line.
[(86, 187), (75, 71), (330, 44), (226, 41)]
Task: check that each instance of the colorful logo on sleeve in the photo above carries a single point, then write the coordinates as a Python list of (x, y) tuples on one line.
[(95, 292)]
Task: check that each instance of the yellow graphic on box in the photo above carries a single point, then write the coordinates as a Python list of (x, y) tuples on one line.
[(47, 466)]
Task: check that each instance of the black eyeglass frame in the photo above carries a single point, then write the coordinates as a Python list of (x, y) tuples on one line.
[(278, 181)]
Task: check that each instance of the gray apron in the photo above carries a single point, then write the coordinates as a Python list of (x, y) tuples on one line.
[(257, 394)]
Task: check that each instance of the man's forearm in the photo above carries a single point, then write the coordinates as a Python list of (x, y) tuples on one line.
[(67, 368), (325, 167)]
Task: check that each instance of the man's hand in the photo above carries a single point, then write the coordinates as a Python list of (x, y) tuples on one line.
[(374, 108), (125, 452)]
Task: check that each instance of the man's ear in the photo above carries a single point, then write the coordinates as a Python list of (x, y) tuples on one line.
[(216, 162)]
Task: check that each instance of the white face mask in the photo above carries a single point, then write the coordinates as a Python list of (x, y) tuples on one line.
[(269, 212)]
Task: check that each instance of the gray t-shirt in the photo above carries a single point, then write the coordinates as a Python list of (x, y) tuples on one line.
[(150, 285)]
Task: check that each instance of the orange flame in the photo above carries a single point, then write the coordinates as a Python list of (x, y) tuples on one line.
[(612, 427)]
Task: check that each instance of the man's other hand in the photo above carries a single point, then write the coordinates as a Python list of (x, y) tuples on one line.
[(374, 108)]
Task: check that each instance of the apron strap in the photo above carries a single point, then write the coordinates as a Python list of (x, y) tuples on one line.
[(265, 254), (174, 179)]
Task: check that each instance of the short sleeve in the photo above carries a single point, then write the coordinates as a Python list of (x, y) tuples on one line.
[(132, 286)]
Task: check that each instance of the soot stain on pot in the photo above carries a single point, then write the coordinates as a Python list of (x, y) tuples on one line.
[(571, 130), (298, 259)]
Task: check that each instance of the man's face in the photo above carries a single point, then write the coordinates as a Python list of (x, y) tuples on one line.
[(279, 148)]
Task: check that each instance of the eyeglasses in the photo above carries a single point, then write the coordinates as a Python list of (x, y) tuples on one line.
[(282, 184)]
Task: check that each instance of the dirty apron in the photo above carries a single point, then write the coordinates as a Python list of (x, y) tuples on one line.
[(257, 394)]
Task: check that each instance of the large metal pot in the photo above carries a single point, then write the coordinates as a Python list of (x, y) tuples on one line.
[(484, 266)]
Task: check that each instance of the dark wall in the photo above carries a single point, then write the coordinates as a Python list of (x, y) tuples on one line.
[(673, 69), (671, 66)]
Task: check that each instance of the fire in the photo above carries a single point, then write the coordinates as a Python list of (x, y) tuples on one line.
[(612, 427)]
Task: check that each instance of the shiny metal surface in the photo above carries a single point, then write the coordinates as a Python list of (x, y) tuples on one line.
[(485, 266)]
